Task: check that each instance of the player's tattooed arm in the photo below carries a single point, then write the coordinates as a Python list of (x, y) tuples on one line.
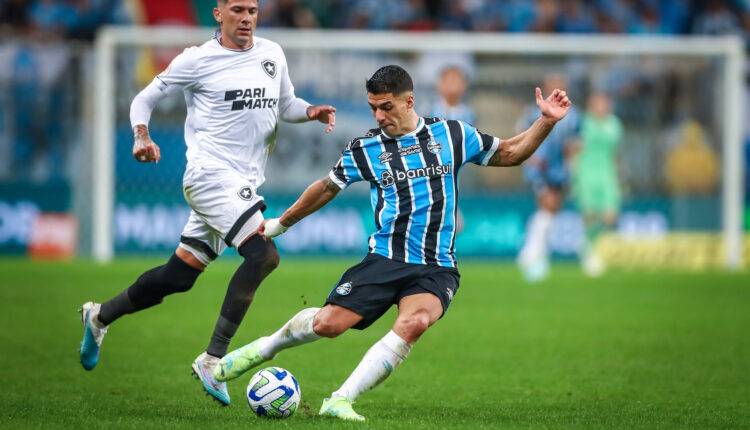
[(315, 197), (517, 149), (144, 149)]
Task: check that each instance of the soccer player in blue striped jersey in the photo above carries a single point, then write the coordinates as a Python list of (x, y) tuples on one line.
[(412, 165)]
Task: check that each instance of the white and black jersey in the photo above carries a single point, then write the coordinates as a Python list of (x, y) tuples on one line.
[(234, 99)]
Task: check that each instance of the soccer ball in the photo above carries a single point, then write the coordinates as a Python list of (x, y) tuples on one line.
[(273, 392)]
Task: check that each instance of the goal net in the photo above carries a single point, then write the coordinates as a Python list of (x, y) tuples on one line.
[(679, 161)]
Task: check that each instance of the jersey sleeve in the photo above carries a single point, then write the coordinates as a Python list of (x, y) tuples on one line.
[(478, 147), (181, 73), (346, 171)]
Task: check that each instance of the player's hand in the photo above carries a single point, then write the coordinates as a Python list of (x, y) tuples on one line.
[(555, 106), (323, 113), (144, 149), (272, 228)]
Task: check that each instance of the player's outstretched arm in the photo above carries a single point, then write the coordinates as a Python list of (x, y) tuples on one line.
[(315, 197), (517, 149)]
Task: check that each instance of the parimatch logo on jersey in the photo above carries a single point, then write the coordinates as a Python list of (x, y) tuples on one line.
[(251, 98)]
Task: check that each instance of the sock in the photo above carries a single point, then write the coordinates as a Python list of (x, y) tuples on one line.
[(115, 308), (150, 289), (376, 365), (297, 331), (535, 246), (260, 258)]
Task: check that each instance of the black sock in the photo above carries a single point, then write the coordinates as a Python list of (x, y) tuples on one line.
[(150, 289), (260, 259), (115, 308)]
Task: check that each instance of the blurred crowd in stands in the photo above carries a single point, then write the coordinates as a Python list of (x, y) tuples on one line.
[(563, 16), (79, 19), (74, 19)]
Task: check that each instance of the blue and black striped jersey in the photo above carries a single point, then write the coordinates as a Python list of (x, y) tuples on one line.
[(414, 185)]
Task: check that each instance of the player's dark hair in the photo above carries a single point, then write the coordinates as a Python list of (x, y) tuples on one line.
[(389, 79)]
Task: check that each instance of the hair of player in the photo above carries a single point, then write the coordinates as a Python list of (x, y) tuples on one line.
[(390, 79)]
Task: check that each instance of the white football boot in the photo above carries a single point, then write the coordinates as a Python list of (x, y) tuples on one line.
[(203, 370), (93, 334)]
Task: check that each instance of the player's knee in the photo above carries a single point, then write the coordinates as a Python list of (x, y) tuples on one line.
[(326, 325), (271, 260), (179, 286), (177, 276), (412, 326), (258, 251)]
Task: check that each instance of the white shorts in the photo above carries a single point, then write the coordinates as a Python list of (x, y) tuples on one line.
[(226, 210)]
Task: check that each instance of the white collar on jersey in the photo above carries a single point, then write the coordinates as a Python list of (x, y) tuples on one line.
[(217, 37), (420, 124)]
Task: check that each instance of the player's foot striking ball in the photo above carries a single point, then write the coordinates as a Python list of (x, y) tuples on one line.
[(341, 408), (240, 361)]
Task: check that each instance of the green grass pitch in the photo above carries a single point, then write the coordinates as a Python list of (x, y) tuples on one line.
[(630, 350)]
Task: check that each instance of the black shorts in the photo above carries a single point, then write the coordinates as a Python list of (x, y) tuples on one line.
[(371, 287)]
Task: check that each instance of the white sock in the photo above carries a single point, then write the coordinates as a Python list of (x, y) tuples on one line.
[(376, 365), (535, 246), (296, 331)]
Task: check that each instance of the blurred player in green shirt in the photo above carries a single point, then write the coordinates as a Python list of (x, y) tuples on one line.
[(595, 182)]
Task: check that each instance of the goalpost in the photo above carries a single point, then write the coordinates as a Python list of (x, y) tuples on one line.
[(729, 52)]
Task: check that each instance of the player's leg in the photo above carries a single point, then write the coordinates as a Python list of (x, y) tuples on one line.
[(420, 305), (533, 258), (177, 275), (229, 213), (260, 258), (599, 202), (416, 314), (354, 302), (306, 326)]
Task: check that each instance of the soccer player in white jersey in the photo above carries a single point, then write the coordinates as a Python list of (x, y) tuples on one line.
[(412, 165), (236, 88)]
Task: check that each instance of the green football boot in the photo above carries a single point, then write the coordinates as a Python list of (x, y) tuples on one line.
[(341, 408), (239, 361)]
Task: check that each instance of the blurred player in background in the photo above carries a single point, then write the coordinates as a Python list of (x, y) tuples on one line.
[(547, 172), (412, 165), (236, 88), (451, 89), (595, 179)]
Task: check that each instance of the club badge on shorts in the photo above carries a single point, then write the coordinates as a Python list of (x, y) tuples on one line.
[(269, 67), (245, 193), (344, 289)]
